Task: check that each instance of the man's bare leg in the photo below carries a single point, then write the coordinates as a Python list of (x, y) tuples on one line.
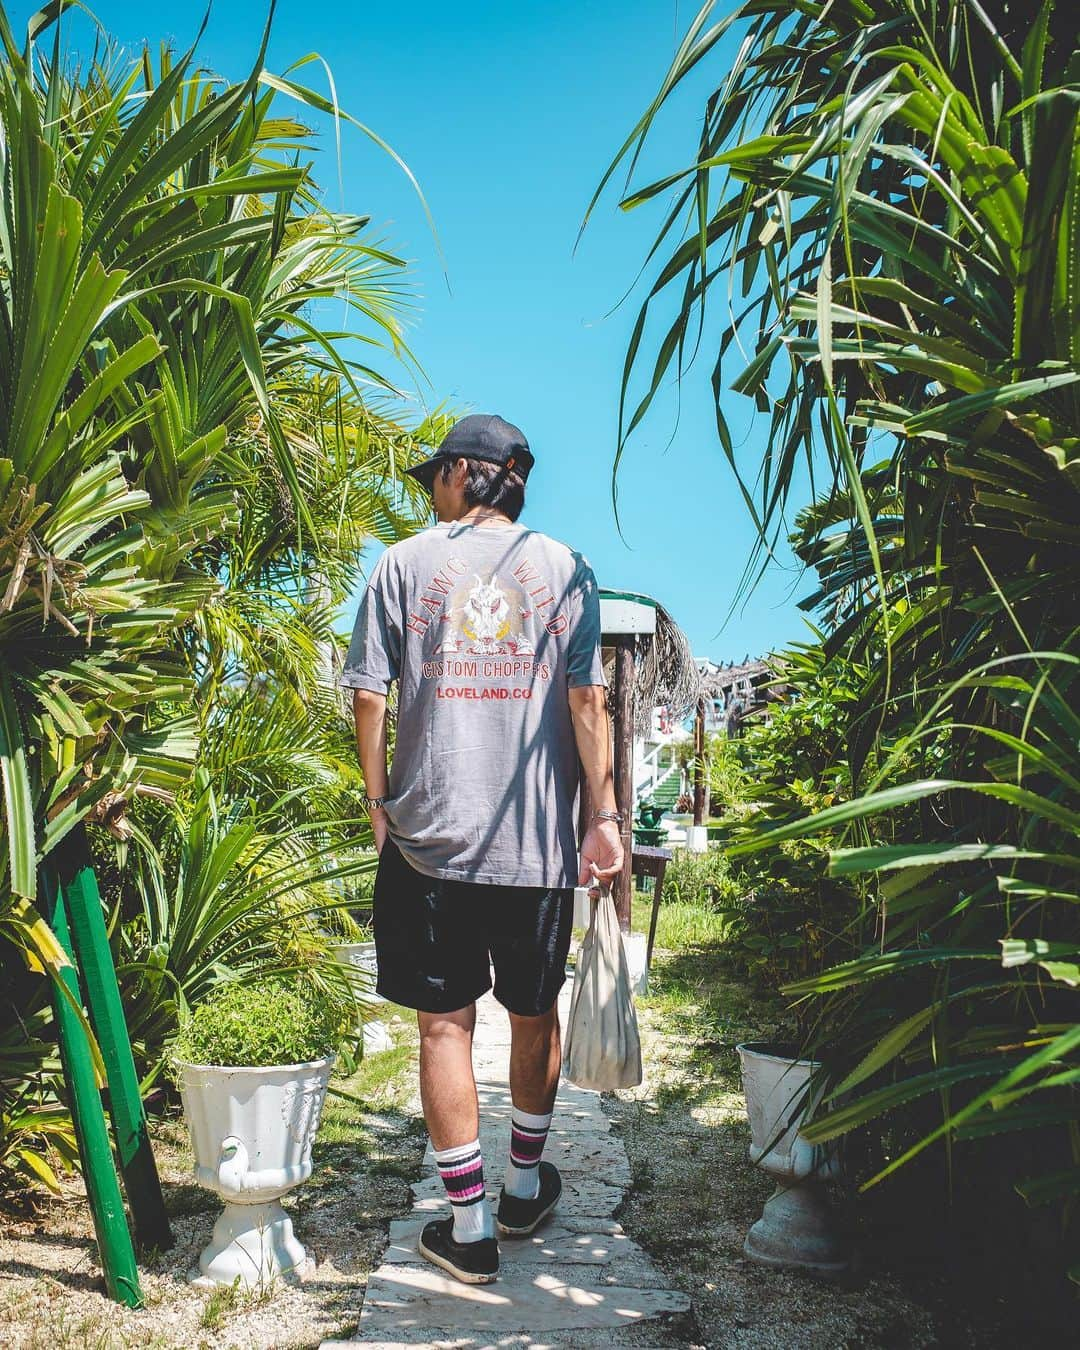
[(447, 1085), (535, 1059), (448, 1094)]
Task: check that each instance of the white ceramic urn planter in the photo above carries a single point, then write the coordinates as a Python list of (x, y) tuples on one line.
[(252, 1131), (797, 1229), (360, 959)]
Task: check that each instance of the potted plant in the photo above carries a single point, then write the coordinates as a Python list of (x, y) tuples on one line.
[(778, 933), (253, 1062), (792, 920), (361, 968), (797, 1228)]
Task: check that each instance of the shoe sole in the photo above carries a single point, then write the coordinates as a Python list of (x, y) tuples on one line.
[(529, 1228), (465, 1276)]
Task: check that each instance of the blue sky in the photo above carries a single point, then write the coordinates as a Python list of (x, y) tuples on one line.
[(508, 115)]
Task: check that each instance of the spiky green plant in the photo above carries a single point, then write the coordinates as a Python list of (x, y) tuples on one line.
[(225, 893), (881, 222), (191, 459)]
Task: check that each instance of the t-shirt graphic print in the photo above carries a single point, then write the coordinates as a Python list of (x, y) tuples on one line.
[(485, 628)]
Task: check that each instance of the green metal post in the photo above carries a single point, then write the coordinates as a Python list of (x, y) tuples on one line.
[(88, 1116), (83, 904)]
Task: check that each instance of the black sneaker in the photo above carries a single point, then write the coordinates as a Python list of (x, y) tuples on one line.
[(517, 1218), (471, 1262)]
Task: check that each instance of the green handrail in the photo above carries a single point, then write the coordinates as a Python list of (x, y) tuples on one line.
[(83, 904), (88, 1117)]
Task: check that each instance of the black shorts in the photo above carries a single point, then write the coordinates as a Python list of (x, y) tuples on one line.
[(433, 938)]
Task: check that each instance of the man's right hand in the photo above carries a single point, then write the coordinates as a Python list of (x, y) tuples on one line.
[(601, 853)]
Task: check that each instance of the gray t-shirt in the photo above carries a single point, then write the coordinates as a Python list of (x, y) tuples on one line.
[(485, 628)]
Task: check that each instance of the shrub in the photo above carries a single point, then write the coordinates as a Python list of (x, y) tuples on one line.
[(699, 878), (276, 1021), (788, 918)]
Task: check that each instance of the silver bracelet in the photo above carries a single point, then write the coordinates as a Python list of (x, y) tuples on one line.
[(616, 816)]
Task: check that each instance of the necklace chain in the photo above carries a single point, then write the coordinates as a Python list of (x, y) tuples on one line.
[(470, 519)]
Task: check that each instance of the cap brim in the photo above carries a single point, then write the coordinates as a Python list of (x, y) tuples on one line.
[(424, 472)]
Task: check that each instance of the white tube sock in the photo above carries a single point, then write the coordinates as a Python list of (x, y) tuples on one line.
[(528, 1135), (462, 1171)]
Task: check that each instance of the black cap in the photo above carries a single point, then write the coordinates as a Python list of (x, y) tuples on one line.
[(479, 436)]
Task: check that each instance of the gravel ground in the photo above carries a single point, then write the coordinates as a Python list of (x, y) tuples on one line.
[(51, 1290), (692, 1198)]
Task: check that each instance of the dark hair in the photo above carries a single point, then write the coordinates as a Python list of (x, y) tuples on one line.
[(493, 485)]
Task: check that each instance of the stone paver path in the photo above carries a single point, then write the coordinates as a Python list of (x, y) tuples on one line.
[(578, 1280)]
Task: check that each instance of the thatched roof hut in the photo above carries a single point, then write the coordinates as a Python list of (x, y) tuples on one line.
[(665, 671)]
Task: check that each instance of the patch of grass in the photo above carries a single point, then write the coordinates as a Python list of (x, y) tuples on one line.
[(381, 1081), (402, 1168), (60, 1329), (384, 1082), (381, 1077), (220, 1303), (701, 1007), (680, 923), (676, 1092), (390, 1144)]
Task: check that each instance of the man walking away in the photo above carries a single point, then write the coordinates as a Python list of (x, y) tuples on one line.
[(492, 632)]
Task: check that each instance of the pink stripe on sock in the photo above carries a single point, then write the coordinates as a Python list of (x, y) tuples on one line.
[(470, 1194), (527, 1148), (458, 1169)]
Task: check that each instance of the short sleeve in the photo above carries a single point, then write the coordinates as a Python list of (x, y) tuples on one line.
[(584, 661), (374, 656)]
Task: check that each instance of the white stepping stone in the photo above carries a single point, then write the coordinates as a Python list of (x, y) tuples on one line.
[(421, 1303)]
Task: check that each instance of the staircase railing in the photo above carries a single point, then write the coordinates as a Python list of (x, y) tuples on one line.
[(652, 772)]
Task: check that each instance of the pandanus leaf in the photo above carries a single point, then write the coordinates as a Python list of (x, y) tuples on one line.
[(18, 798)]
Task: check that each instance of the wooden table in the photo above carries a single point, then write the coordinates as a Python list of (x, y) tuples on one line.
[(651, 862)]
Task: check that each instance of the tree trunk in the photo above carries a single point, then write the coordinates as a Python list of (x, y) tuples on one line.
[(624, 768), (699, 763)]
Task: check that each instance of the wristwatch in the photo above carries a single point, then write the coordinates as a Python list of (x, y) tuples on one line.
[(372, 802), (616, 816)]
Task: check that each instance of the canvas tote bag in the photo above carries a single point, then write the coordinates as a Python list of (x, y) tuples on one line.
[(602, 1049)]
